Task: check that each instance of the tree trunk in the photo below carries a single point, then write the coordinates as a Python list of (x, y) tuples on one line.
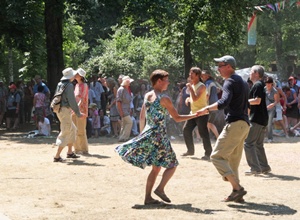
[(10, 65), (188, 59), (53, 25)]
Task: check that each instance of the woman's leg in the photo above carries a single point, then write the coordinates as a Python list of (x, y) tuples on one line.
[(150, 183), (168, 173)]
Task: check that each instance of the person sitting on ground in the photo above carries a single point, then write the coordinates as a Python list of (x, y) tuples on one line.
[(43, 126), (105, 128)]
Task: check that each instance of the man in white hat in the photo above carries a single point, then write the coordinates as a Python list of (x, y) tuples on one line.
[(67, 133), (124, 100)]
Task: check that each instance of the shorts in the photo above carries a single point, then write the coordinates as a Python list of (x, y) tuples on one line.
[(278, 115), (11, 113)]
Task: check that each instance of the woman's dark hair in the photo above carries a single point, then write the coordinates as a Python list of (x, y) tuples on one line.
[(197, 71), (158, 74), (40, 88)]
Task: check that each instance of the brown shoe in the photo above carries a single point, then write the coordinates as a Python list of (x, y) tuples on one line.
[(236, 195)]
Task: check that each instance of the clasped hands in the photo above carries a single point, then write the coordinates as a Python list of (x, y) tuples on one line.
[(202, 111)]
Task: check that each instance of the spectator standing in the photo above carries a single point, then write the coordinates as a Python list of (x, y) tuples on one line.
[(39, 82), (13, 104), (112, 106), (67, 134), (28, 101), (227, 152), (124, 101), (292, 111), (198, 100), (102, 81), (92, 96), (3, 99), (98, 90), (254, 143), (81, 95)]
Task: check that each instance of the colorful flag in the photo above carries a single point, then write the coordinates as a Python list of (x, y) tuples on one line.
[(252, 33)]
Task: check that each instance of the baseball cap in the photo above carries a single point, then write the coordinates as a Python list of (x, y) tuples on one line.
[(226, 59)]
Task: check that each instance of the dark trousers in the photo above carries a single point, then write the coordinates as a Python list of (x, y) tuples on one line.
[(254, 148), (201, 123)]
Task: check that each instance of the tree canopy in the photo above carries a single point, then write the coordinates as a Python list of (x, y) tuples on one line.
[(136, 36)]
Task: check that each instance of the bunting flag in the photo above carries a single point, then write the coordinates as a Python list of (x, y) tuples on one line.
[(252, 34)]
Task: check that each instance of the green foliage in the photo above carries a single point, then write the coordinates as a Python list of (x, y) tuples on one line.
[(74, 47), (134, 56), (22, 31)]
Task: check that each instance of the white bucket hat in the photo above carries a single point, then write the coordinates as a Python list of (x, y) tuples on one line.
[(68, 73), (126, 80), (81, 72)]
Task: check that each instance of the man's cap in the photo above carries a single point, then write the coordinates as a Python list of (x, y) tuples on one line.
[(226, 59)]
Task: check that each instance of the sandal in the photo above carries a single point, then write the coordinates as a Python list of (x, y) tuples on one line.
[(236, 195), (58, 160), (72, 155)]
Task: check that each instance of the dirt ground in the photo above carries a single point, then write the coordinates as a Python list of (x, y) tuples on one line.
[(102, 186)]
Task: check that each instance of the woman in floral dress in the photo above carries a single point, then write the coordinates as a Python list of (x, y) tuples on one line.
[(81, 92), (152, 147)]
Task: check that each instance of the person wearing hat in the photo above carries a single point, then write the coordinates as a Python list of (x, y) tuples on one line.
[(81, 93), (13, 105), (227, 152), (124, 100), (67, 135)]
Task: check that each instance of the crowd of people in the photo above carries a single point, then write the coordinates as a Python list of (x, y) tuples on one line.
[(238, 114)]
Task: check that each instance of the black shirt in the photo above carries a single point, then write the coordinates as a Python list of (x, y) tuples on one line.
[(259, 113), (235, 99)]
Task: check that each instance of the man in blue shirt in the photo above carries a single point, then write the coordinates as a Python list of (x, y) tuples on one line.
[(38, 81), (227, 152)]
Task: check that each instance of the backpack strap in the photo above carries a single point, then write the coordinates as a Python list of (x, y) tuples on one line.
[(61, 90)]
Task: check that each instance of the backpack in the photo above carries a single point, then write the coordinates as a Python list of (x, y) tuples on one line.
[(55, 103)]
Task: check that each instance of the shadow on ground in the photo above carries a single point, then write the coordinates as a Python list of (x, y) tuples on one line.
[(184, 207), (263, 209)]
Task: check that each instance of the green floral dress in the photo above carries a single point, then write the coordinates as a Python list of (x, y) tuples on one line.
[(152, 146)]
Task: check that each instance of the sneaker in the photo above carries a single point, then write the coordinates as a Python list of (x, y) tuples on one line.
[(205, 157), (72, 155), (270, 141), (250, 173)]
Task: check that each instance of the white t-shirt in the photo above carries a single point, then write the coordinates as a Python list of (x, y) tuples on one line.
[(43, 127)]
